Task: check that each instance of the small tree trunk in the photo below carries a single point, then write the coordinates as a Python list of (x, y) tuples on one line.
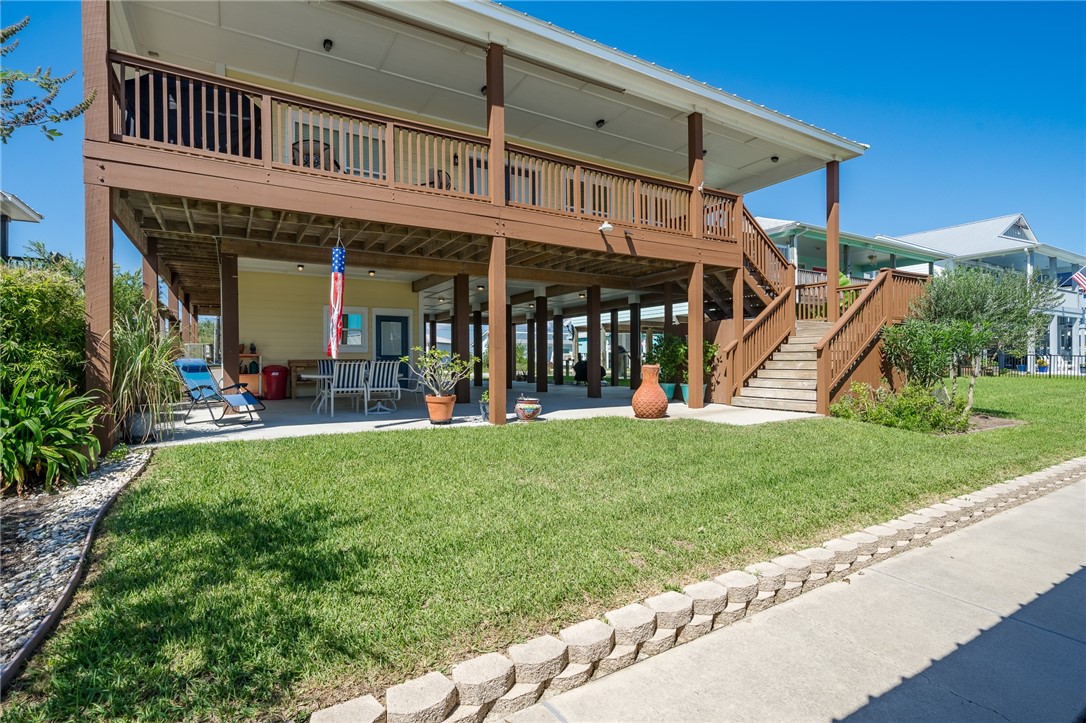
[(975, 372)]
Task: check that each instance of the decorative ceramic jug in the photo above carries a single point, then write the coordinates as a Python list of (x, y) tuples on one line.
[(527, 408), (649, 401)]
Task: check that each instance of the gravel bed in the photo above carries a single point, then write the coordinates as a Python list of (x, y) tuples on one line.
[(41, 538)]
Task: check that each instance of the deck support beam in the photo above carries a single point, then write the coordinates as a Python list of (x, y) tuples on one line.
[(530, 323), (635, 345), (594, 352), (495, 121), (231, 331), (497, 324), (695, 336), (461, 319), (615, 361), (669, 309), (433, 331), (833, 238), (541, 355), (150, 272), (558, 330), (98, 280), (510, 347), (477, 333)]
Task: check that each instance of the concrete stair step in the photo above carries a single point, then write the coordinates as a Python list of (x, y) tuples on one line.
[(799, 395), (775, 363), (787, 405), (771, 383), (791, 347), (795, 374), (811, 339)]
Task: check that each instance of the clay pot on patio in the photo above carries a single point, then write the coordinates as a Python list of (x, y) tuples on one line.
[(440, 408), (527, 408), (649, 401)]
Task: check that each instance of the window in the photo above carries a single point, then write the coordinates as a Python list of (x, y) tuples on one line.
[(354, 337)]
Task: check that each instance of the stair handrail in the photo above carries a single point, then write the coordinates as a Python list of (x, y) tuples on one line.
[(764, 256), (885, 300), (757, 348)]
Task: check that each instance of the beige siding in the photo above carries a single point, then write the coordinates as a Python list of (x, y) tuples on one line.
[(283, 314)]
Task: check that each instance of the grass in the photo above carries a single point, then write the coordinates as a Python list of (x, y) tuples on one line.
[(265, 579)]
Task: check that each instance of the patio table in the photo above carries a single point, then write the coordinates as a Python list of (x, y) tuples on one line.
[(323, 382)]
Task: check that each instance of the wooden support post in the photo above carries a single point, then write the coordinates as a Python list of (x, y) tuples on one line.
[(433, 331), (541, 355), (477, 333), (695, 336), (558, 331), (461, 321), (635, 345), (833, 238), (740, 326), (695, 151), (669, 309), (497, 326), (510, 348), (150, 272), (495, 121), (186, 311), (98, 280), (594, 359), (531, 350), (615, 360), (171, 305), (231, 331)]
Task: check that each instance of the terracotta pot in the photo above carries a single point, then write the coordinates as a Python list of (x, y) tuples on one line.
[(527, 408), (649, 401), (440, 408)]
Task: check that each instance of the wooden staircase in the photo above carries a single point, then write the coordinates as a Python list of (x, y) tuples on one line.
[(788, 381)]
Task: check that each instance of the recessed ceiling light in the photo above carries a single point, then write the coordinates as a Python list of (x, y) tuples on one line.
[(581, 295), (372, 273), (480, 287), (301, 267), (531, 306), (441, 299)]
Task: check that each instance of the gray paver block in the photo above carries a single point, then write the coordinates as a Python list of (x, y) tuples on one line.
[(938, 517), (764, 600), (698, 626), (866, 543), (742, 586), (920, 523), (574, 676), (790, 590), (621, 657), (468, 714), (484, 679), (820, 558), (519, 697), (366, 709), (633, 624), (428, 699), (673, 609), (663, 639), (954, 512), (844, 551), (730, 614), (861, 562), (588, 641), (770, 576), (887, 536), (538, 660), (840, 571), (816, 580), (709, 597), (796, 567)]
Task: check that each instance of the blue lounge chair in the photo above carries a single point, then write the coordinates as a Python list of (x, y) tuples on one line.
[(203, 389)]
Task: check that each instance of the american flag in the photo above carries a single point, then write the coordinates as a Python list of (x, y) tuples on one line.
[(1079, 277), (335, 301)]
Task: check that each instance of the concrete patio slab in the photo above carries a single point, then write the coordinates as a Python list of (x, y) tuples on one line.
[(297, 418)]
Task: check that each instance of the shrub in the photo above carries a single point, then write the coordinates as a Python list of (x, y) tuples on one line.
[(914, 408), (921, 350), (46, 434), (42, 328), (145, 382), (670, 353)]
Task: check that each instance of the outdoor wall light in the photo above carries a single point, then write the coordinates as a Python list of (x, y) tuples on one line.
[(372, 273), (606, 227), (301, 267), (600, 122), (328, 45)]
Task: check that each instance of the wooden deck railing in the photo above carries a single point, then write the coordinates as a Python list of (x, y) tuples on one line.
[(884, 301), (764, 258), (811, 301), (763, 336), (721, 222)]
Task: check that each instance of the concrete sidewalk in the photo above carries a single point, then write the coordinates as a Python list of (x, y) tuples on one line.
[(987, 623)]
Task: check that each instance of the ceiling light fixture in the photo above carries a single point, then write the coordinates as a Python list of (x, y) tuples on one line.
[(774, 158), (480, 287), (441, 299), (301, 267), (531, 306), (606, 227), (581, 295), (372, 273), (328, 45), (483, 90), (600, 122)]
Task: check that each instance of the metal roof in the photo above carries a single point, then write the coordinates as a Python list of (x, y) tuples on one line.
[(16, 209), (776, 227), (1004, 234)]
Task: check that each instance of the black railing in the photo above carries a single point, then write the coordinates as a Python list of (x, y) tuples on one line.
[(1046, 365)]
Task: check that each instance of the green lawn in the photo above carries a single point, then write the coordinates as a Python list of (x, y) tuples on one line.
[(258, 579)]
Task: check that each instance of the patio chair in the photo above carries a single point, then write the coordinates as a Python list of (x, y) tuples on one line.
[(348, 380), (383, 386), (203, 389), (325, 368)]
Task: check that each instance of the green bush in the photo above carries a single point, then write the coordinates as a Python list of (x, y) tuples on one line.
[(914, 408), (670, 353), (145, 381), (921, 350), (46, 435), (42, 328)]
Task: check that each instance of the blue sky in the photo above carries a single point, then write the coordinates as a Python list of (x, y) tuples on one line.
[(972, 110)]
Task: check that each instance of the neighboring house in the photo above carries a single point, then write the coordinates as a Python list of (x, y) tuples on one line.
[(479, 165), (1008, 242), (13, 208)]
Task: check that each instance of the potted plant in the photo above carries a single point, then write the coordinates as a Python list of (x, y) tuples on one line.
[(708, 362), (484, 405), (440, 371), (670, 354), (1042, 364), (145, 382)]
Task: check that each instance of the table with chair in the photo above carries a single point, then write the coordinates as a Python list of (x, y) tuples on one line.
[(375, 385)]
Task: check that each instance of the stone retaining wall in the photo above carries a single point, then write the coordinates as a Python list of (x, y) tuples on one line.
[(494, 686)]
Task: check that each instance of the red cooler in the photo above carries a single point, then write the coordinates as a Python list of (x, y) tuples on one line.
[(275, 382)]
